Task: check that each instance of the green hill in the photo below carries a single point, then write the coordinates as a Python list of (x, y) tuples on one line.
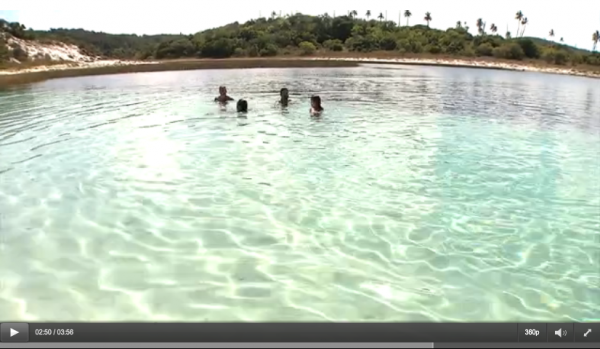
[(305, 35)]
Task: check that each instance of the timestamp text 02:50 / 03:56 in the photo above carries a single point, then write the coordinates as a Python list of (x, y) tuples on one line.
[(54, 332)]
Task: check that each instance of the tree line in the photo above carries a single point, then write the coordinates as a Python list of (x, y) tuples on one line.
[(305, 35)]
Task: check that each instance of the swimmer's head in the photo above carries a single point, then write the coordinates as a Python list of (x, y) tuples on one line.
[(223, 90), (284, 93), (315, 102), (242, 106)]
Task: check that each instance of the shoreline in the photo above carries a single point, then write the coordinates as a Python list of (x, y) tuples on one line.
[(474, 64), (106, 67)]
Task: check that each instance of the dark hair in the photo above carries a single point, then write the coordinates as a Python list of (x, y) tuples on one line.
[(242, 105), (283, 90), (317, 101)]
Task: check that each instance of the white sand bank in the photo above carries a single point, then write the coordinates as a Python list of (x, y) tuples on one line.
[(63, 56), (72, 65), (473, 64)]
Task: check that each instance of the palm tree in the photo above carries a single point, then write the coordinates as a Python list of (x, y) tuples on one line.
[(524, 23), (551, 34), (493, 28), (508, 35), (407, 14), (273, 14), (562, 40), (595, 38), (326, 19), (380, 16), (519, 18), (458, 25), (353, 13), (368, 15), (480, 26), (428, 18)]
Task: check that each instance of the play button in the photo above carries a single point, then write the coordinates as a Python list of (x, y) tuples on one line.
[(14, 332)]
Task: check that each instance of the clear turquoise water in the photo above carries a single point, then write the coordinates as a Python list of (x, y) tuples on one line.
[(423, 194)]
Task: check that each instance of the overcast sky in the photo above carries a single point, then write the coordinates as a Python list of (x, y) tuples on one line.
[(574, 20)]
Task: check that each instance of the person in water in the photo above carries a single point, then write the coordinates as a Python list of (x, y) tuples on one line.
[(223, 97), (315, 106), (242, 106), (285, 97)]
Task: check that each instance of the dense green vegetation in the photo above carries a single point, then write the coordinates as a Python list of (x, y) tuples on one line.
[(305, 35)]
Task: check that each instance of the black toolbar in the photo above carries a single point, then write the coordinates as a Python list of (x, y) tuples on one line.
[(301, 332)]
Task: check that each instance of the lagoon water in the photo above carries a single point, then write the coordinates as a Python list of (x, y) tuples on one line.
[(422, 194)]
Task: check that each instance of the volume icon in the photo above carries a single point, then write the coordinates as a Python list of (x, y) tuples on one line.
[(560, 332)]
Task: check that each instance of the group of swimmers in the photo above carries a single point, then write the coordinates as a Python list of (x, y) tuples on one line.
[(242, 105)]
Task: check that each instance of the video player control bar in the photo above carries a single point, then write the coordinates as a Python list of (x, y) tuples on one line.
[(300, 332)]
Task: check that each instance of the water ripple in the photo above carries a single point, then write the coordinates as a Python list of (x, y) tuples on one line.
[(422, 194)]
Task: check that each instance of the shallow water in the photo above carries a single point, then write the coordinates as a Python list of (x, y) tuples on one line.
[(422, 194)]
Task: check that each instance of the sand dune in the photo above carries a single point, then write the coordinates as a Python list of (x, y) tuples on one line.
[(63, 56)]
